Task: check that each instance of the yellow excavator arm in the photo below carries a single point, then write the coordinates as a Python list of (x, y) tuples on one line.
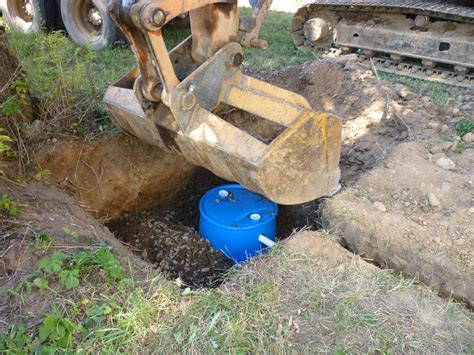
[(173, 100)]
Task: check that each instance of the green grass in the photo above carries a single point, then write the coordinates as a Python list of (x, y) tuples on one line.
[(59, 73), (283, 302), (281, 51), (438, 92)]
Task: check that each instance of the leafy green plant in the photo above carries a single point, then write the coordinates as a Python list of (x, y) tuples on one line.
[(9, 206), (78, 129), (96, 314), (58, 332), (55, 334), (16, 102), (41, 283), (4, 142), (110, 264), (16, 341), (52, 264), (72, 233), (5, 148), (69, 268), (11, 106), (464, 126)]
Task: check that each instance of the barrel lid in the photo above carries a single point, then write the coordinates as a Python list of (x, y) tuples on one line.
[(235, 207)]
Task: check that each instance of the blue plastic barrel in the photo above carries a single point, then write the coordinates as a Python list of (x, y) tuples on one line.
[(233, 218)]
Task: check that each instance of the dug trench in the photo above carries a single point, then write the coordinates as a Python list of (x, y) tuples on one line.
[(157, 218)]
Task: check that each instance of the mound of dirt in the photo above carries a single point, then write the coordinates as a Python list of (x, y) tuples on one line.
[(414, 213), (332, 300), (377, 115)]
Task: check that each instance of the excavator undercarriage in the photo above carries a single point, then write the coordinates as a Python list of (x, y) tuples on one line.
[(428, 39), (173, 100)]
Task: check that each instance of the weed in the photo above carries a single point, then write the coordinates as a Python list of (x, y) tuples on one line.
[(42, 241), (57, 332), (464, 126), (25, 285), (459, 147), (68, 269), (41, 283), (16, 341), (4, 142), (15, 103), (41, 175), (9, 206), (218, 321), (67, 81), (70, 232)]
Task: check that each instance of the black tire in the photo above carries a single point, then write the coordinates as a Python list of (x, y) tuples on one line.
[(26, 16), (78, 17)]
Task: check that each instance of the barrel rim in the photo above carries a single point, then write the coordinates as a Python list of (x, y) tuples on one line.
[(202, 213)]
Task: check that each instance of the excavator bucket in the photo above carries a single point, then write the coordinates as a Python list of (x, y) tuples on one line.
[(174, 100)]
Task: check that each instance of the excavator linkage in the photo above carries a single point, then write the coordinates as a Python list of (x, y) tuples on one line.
[(173, 100)]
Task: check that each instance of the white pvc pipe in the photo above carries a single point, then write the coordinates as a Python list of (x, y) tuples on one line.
[(266, 241)]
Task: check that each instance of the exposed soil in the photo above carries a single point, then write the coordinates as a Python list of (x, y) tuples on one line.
[(377, 117), (115, 175), (412, 215), (167, 236)]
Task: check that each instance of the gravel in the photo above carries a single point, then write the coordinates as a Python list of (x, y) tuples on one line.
[(173, 248)]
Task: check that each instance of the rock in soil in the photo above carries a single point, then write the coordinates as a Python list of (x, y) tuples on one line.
[(433, 200), (445, 163), (435, 245), (468, 138), (379, 206)]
